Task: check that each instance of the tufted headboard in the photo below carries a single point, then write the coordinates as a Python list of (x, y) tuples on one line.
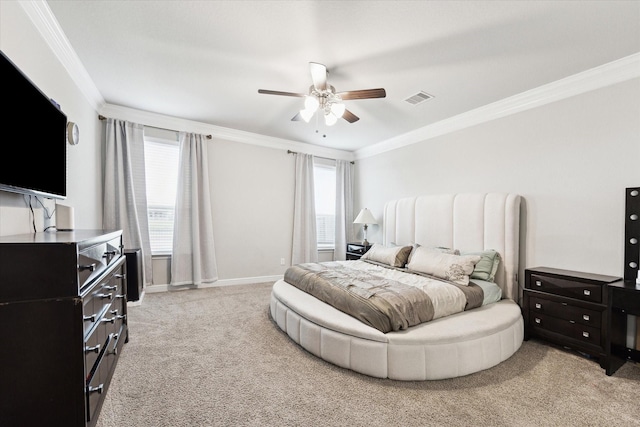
[(466, 221)]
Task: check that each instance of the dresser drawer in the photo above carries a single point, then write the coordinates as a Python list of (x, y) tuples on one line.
[(565, 311), (582, 333), (93, 346), (567, 287), (94, 260)]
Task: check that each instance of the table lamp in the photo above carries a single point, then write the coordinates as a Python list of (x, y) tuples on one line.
[(365, 217)]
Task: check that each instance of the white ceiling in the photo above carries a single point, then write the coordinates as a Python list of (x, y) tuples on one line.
[(205, 60)]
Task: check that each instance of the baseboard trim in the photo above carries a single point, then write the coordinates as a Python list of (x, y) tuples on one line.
[(219, 283)]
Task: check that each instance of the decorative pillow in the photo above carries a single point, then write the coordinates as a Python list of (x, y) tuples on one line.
[(487, 267), (395, 256), (455, 268), (438, 248)]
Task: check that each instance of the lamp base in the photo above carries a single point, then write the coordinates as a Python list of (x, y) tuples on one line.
[(365, 242)]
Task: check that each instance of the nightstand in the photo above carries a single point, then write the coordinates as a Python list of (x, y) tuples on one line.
[(573, 309), (356, 250)]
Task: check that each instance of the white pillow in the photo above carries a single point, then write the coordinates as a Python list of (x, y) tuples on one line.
[(395, 256), (455, 268)]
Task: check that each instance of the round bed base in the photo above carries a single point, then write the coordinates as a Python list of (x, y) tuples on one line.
[(448, 347)]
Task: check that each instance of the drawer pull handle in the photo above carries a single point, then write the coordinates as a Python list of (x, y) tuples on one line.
[(96, 389), (109, 288), (90, 267), (120, 296), (538, 305), (112, 320), (107, 296), (120, 276), (585, 317), (538, 321), (121, 316), (538, 283), (586, 292), (585, 334), (95, 349), (114, 311), (108, 254), (572, 321), (91, 318)]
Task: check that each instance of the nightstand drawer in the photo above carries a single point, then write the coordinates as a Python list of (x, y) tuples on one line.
[(583, 333), (567, 287), (565, 311), (357, 249)]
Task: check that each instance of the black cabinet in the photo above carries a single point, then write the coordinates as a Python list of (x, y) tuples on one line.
[(573, 309), (63, 322), (356, 250)]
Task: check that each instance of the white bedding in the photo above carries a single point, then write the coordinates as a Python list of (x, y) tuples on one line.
[(447, 299)]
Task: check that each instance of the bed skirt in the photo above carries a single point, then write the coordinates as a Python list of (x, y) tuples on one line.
[(449, 347)]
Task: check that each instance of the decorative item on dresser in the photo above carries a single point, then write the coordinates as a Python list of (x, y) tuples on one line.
[(63, 323), (573, 309), (356, 250)]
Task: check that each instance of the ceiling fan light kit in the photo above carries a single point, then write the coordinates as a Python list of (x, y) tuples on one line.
[(323, 97)]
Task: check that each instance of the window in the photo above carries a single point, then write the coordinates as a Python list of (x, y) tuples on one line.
[(161, 173), (324, 178)]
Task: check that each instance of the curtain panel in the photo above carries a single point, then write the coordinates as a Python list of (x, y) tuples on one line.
[(193, 261), (305, 245), (124, 189), (344, 209)]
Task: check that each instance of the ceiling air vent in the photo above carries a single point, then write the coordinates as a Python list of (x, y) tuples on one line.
[(418, 98)]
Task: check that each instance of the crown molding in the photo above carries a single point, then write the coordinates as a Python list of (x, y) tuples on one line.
[(45, 22), (605, 75), (218, 132)]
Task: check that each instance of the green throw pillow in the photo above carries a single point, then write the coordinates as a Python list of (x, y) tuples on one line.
[(487, 267)]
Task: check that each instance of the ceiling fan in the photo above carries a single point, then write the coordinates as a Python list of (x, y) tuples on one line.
[(324, 98)]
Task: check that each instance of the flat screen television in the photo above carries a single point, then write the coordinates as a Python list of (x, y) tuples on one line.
[(34, 146)]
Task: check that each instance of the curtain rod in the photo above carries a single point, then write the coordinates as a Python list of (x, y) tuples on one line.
[(327, 158), (101, 117)]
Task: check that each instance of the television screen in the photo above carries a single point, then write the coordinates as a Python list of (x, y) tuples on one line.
[(34, 152)]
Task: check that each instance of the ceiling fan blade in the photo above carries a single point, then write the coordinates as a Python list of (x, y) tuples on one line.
[(276, 92), (350, 117), (318, 75), (363, 94)]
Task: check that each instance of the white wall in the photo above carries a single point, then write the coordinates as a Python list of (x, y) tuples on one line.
[(252, 196), (570, 160), (23, 44)]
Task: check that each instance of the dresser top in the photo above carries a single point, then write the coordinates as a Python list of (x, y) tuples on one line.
[(62, 237), (574, 274)]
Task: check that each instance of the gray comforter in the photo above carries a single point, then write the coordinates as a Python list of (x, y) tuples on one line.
[(387, 301)]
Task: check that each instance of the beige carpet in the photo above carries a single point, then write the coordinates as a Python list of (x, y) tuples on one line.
[(213, 357)]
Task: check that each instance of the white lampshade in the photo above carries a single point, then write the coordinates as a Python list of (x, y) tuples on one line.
[(311, 103), (338, 109), (330, 119), (306, 114), (365, 217)]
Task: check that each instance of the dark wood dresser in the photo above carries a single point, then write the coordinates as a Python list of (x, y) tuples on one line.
[(573, 309), (63, 323)]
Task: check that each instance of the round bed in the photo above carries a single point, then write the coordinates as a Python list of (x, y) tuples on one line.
[(448, 347)]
